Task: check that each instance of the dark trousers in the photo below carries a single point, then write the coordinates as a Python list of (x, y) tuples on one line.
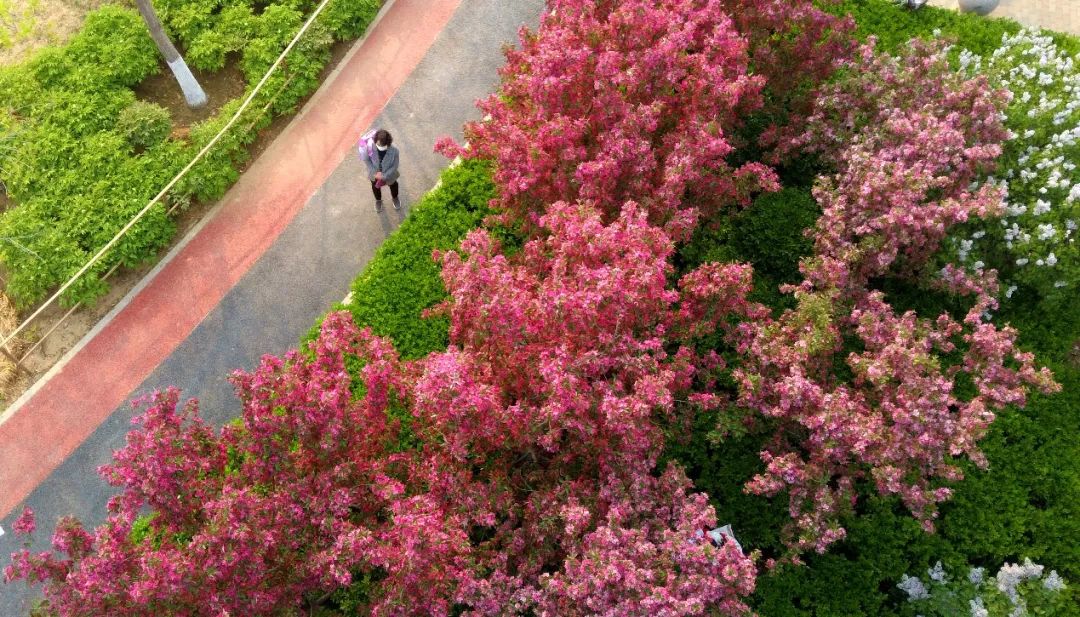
[(378, 191)]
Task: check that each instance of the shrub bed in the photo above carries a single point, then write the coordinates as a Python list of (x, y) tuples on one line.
[(1022, 506), (81, 156)]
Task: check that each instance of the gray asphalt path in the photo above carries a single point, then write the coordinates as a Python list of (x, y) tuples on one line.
[(308, 267)]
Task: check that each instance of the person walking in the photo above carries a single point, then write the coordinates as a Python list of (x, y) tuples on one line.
[(382, 169)]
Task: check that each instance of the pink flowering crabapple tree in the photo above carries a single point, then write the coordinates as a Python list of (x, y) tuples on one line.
[(795, 46), (514, 473), (909, 137), (612, 101)]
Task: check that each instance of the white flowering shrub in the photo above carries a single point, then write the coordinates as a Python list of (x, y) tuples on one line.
[(1034, 243), (1017, 590)]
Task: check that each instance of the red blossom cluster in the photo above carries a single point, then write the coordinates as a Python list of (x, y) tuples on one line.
[(909, 137), (795, 46), (611, 101), (514, 472)]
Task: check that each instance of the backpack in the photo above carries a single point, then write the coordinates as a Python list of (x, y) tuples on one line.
[(366, 148)]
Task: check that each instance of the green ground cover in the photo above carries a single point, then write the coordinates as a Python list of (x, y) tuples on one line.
[(79, 155), (1027, 504)]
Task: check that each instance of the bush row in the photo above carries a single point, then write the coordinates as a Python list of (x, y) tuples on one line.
[(80, 155)]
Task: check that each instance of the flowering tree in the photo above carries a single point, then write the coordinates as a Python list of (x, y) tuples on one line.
[(909, 138), (614, 101), (796, 46), (514, 472), (1035, 242), (244, 522)]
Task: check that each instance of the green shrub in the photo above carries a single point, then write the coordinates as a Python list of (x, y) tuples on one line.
[(80, 156), (46, 69), (113, 49), (272, 31), (894, 26), (235, 26), (768, 235), (349, 20), (403, 280), (144, 124), (219, 168), (187, 19)]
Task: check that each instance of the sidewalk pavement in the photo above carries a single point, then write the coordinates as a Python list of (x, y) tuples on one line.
[(282, 246), (1060, 15)]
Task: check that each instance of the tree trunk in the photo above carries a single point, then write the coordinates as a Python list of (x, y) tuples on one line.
[(193, 92)]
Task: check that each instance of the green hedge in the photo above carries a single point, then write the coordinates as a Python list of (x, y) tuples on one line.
[(79, 156), (768, 234), (403, 280), (144, 125)]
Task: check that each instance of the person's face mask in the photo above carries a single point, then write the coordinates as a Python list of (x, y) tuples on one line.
[(381, 148)]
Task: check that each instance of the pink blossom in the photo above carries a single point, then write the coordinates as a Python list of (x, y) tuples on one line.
[(909, 136), (25, 525), (616, 101)]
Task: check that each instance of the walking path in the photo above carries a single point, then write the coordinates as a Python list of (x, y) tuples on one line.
[(1060, 15), (282, 246)]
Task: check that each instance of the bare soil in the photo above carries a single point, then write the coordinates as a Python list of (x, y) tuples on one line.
[(220, 88), (27, 25)]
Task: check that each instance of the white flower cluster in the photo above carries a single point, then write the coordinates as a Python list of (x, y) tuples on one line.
[(937, 573), (1005, 593), (978, 607), (1039, 169), (913, 587), (1011, 575), (1053, 581), (976, 575)]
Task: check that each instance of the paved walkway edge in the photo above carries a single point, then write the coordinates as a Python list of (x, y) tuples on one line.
[(48, 423), (1059, 15)]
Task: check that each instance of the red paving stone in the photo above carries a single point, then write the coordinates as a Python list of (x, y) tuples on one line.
[(46, 429)]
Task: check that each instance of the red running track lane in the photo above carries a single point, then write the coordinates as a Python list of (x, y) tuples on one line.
[(65, 411)]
